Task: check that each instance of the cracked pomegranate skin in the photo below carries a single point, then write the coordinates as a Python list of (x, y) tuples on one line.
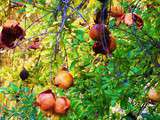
[(62, 105), (46, 100)]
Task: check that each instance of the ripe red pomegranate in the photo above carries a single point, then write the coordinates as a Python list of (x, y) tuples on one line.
[(64, 79), (46, 101), (62, 105)]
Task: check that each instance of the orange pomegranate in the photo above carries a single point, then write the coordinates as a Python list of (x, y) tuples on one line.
[(64, 79), (116, 11), (62, 105), (154, 95), (46, 100)]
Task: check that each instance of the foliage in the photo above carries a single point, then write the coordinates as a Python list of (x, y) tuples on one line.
[(101, 83)]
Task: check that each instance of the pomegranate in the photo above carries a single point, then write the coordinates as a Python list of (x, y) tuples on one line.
[(24, 74), (46, 101), (116, 11), (132, 18), (109, 47), (10, 32), (154, 95), (99, 33), (64, 79), (99, 48), (62, 105)]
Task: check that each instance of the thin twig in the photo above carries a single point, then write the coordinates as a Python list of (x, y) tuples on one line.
[(74, 9), (77, 8), (36, 21)]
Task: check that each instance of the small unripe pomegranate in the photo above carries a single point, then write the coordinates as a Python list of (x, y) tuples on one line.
[(64, 79), (62, 105), (24, 74), (154, 95), (116, 11), (46, 101)]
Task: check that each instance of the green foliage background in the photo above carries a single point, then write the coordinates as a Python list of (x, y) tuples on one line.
[(101, 83)]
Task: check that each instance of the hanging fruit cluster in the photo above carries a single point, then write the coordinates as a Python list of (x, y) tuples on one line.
[(11, 31), (47, 100), (128, 18), (104, 42)]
